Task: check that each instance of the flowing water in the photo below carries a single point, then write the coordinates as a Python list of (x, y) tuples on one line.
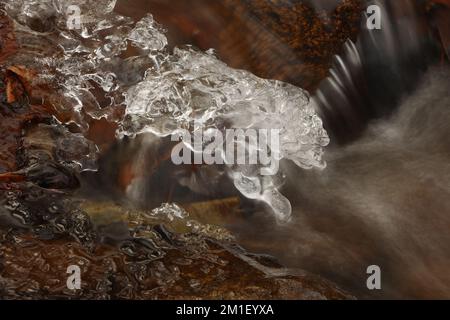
[(382, 200)]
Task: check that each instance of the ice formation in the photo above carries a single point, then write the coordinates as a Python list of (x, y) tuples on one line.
[(160, 91)]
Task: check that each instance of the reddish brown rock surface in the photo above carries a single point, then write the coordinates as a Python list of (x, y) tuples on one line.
[(284, 40), (35, 268)]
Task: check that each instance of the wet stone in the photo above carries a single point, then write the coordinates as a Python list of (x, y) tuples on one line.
[(151, 260)]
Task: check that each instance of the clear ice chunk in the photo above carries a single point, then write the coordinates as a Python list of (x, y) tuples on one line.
[(161, 92), (195, 87), (171, 211), (147, 35)]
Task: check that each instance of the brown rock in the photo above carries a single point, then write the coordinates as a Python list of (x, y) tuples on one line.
[(284, 40)]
